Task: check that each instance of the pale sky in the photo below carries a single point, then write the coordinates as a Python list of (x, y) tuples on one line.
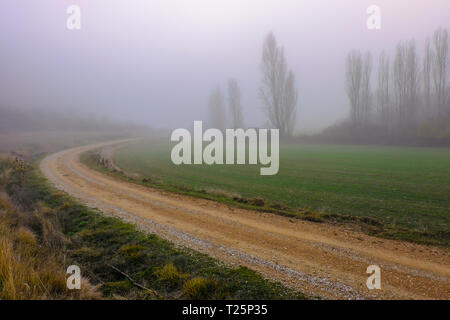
[(155, 62)]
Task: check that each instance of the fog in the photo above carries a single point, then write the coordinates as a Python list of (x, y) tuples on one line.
[(156, 62)]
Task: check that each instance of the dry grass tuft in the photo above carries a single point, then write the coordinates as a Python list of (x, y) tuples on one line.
[(170, 275), (198, 288), (32, 264)]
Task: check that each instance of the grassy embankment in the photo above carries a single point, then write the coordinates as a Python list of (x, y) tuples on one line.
[(400, 193), (43, 231)]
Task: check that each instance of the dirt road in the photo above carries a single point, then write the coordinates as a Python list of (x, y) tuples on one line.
[(319, 259)]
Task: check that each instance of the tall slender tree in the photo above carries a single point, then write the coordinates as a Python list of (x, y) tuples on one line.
[(406, 85), (234, 102), (383, 89), (399, 80), (217, 115), (366, 95), (441, 67), (353, 82), (278, 92), (413, 82), (426, 74)]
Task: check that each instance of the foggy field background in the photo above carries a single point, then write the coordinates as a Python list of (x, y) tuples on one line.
[(165, 64), (353, 105)]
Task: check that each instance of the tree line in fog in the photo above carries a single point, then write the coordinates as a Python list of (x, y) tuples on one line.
[(405, 100), (410, 93), (278, 94)]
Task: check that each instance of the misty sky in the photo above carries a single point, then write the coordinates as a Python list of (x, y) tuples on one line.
[(155, 62)]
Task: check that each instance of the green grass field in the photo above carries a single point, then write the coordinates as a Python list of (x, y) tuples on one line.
[(400, 187)]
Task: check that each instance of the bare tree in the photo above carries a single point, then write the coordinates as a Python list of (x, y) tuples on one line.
[(413, 84), (290, 99), (278, 91), (234, 102), (366, 95), (440, 67), (217, 116), (353, 77), (406, 85), (426, 74), (399, 80), (383, 89)]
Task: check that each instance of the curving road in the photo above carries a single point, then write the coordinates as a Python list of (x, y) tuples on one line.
[(318, 259)]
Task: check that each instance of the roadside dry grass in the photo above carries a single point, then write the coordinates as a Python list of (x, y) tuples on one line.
[(32, 262)]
